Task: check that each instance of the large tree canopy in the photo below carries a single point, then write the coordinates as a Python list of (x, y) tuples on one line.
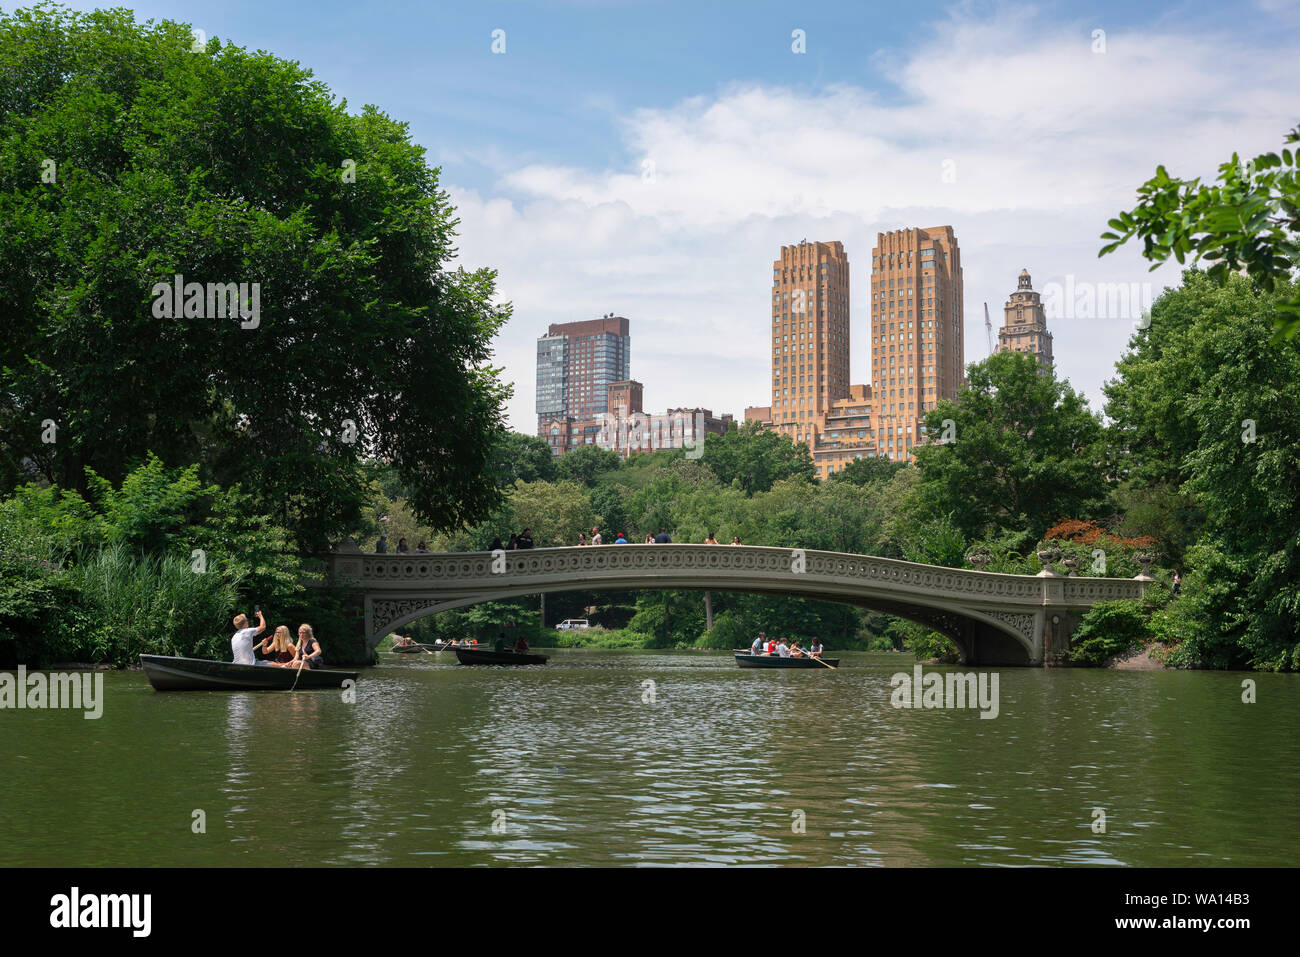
[(1022, 451), (127, 159), (1205, 399), (756, 457)]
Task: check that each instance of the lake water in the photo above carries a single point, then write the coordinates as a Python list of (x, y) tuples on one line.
[(569, 763)]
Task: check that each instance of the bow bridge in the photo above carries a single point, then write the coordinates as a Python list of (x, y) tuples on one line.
[(992, 618)]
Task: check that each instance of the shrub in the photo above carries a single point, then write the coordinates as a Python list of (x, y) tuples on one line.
[(156, 605), (1108, 629), (728, 632)]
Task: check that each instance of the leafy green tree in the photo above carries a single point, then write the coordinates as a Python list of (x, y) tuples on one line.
[(127, 160), (868, 470), (555, 512), (47, 524), (1152, 430), (654, 506), (835, 516), (1164, 511), (608, 502), (935, 541), (487, 620), (756, 457), (1026, 451), (1249, 219), (1212, 403), (895, 506), (586, 464), (523, 458), (159, 512)]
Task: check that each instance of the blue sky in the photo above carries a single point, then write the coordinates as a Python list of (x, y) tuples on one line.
[(649, 159)]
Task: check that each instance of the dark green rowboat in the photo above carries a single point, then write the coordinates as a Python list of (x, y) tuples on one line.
[(773, 661), (483, 656), (199, 674)]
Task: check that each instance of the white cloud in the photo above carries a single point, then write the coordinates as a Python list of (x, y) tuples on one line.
[(1047, 138)]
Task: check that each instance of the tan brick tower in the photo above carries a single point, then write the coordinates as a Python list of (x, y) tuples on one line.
[(810, 336), (917, 346)]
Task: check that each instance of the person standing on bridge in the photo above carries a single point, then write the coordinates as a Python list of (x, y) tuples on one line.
[(595, 536), (710, 540), (662, 538), (513, 543), (381, 546), (582, 539), (620, 540), (525, 540)]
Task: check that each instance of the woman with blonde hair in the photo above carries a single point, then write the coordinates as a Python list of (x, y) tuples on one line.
[(308, 651), (278, 647)]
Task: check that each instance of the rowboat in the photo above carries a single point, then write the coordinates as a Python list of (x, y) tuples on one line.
[(483, 656), (414, 648), (775, 661), (199, 674)]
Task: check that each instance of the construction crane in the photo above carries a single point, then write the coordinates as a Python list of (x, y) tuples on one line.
[(988, 328)]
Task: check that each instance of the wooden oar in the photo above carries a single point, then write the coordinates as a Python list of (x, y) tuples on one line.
[(301, 661), (820, 662)]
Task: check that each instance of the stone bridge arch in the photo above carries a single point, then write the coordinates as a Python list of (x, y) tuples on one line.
[(992, 618)]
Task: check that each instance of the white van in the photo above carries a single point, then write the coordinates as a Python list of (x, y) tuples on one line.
[(571, 623)]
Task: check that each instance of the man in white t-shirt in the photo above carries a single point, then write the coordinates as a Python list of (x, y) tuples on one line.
[(783, 649), (241, 642), (595, 536)]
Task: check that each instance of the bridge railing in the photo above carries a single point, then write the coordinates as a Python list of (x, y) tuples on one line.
[(722, 563)]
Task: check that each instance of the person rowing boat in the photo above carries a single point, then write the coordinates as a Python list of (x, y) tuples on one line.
[(308, 653)]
